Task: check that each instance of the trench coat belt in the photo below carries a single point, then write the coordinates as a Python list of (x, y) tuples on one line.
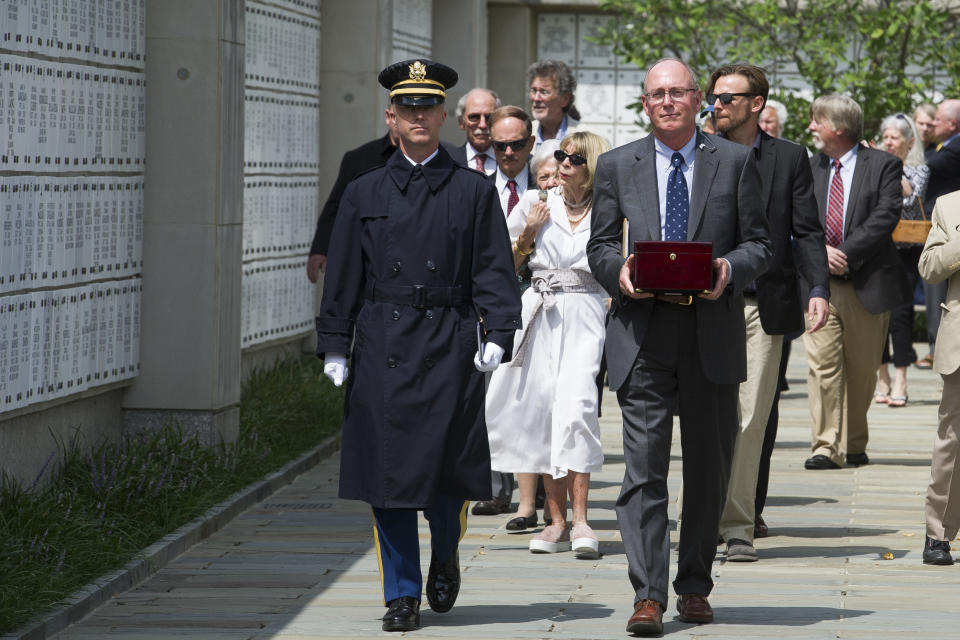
[(545, 282), (418, 296)]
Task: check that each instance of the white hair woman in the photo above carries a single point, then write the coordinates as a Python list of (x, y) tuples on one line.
[(899, 136)]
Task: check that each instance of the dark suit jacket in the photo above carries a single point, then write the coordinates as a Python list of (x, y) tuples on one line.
[(725, 209), (944, 174), (791, 211), (873, 211), (356, 161), (459, 154), (531, 182)]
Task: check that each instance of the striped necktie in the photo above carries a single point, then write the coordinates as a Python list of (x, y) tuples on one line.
[(834, 226)]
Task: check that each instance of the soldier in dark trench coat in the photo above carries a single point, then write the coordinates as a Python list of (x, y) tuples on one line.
[(418, 250)]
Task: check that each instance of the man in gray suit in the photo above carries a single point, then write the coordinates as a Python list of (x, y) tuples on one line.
[(676, 351)]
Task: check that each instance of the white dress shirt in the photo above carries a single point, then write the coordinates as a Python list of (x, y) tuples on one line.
[(489, 162), (504, 191)]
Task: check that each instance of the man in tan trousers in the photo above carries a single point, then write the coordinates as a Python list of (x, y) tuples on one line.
[(940, 261)]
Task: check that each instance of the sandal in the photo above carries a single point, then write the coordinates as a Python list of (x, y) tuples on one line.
[(897, 401), (926, 362), (881, 397)]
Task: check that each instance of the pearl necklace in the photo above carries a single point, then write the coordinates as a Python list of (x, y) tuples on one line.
[(581, 216)]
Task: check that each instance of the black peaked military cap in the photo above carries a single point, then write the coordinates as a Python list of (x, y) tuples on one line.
[(418, 82)]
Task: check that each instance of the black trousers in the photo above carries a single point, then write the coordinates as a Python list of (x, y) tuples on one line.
[(901, 317), (668, 373)]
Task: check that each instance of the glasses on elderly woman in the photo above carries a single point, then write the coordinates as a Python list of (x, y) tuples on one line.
[(575, 158)]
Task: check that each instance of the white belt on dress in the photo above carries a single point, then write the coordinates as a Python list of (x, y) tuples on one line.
[(546, 282)]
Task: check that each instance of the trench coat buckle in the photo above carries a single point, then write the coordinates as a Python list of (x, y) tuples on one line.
[(419, 297)]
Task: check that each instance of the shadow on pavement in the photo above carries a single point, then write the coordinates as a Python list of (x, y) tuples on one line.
[(470, 615), (774, 616), (827, 532)]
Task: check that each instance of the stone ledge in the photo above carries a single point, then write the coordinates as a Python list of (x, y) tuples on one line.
[(160, 553)]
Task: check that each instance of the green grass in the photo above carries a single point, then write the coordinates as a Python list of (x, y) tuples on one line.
[(101, 507)]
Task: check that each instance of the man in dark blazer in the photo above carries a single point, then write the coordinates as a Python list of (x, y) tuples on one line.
[(859, 198), (944, 164), (676, 351), (473, 116), (772, 308), (365, 157)]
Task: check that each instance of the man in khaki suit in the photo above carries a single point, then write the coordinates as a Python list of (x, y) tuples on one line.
[(940, 261)]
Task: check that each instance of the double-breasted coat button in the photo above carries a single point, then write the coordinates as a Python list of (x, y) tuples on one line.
[(428, 362), (392, 362), (431, 266), (396, 314), (429, 314), (396, 266)]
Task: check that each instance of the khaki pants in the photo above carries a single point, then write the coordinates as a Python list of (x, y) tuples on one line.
[(756, 399), (843, 357), (943, 494)]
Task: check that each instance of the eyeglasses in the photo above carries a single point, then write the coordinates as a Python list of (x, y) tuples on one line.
[(575, 158), (726, 98), (515, 145), (541, 93), (675, 94), (475, 117)]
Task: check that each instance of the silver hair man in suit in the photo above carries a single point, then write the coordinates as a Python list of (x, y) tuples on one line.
[(676, 351), (738, 93), (859, 196), (940, 262)]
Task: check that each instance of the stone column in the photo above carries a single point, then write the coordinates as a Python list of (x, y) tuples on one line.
[(192, 245)]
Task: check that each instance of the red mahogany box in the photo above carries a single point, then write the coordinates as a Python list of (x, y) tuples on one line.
[(673, 267)]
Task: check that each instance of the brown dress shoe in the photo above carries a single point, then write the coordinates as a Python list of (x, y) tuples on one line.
[(694, 607), (647, 618)]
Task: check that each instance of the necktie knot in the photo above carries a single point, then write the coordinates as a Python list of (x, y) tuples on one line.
[(676, 160), (837, 165), (512, 185)]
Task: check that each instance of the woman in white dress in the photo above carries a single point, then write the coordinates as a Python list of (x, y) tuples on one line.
[(542, 408)]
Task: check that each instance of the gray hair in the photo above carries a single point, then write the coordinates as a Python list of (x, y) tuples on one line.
[(693, 76), (904, 124), (547, 147), (781, 110), (563, 79), (462, 102), (841, 113)]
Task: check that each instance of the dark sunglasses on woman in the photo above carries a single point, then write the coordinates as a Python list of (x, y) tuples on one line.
[(575, 158)]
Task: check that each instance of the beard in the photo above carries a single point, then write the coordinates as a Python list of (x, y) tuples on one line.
[(731, 122)]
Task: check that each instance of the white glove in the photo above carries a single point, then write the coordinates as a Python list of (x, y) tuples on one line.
[(335, 368), (490, 360)]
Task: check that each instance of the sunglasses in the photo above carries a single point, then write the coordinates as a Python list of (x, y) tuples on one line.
[(575, 158), (515, 145), (726, 98)]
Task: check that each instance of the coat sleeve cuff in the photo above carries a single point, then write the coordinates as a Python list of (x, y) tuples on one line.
[(500, 322)]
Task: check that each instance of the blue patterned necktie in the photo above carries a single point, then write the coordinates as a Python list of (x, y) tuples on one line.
[(678, 203)]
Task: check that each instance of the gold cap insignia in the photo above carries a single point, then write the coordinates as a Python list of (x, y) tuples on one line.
[(418, 71)]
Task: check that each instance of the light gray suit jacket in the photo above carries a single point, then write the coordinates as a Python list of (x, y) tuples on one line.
[(726, 208), (940, 261)]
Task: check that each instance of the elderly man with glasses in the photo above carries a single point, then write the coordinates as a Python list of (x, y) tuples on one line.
[(683, 352), (473, 117)]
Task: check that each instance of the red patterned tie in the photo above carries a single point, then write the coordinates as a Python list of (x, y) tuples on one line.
[(479, 159), (834, 230), (513, 198)]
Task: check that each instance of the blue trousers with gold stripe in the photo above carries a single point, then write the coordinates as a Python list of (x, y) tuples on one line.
[(398, 545)]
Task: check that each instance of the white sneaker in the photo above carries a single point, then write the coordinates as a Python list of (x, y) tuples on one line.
[(552, 539), (585, 543)]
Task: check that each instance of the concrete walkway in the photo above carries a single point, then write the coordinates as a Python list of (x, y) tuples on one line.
[(843, 559)]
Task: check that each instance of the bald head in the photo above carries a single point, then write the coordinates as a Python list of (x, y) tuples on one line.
[(947, 121)]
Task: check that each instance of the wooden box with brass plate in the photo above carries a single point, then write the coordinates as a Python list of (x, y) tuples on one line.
[(682, 268)]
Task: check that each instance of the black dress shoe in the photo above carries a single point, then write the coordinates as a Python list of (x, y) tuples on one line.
[(857, 459), (490, 507), (820, 461), (936, 552), (443, 582), (403, 614), (522, 522)]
